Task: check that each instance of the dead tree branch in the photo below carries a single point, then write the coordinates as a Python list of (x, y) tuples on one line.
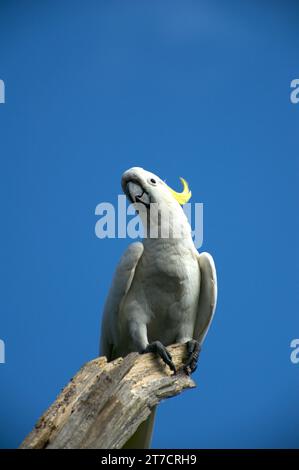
[(103, 405)]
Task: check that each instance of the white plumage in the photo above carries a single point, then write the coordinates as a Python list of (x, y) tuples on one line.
[(163, 290)]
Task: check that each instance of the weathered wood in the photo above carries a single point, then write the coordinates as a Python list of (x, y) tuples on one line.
[(103, 405)]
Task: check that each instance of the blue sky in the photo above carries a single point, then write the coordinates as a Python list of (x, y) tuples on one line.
[(197, 89)]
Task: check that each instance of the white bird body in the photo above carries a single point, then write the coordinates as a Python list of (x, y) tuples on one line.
[(163, 289)]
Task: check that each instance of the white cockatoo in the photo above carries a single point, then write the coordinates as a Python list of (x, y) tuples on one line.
[(163, 291)]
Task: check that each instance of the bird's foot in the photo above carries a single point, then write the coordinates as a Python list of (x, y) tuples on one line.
[(158, 348), (193, 350)]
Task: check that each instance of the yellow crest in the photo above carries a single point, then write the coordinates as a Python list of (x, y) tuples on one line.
[(184, 196)]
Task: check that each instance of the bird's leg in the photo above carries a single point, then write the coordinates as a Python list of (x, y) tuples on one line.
[(193, 350), (158, 348)]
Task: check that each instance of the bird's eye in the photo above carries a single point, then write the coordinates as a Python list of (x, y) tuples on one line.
[(153, 181)]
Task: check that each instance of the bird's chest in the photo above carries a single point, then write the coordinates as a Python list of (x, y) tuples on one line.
[(170, 278)]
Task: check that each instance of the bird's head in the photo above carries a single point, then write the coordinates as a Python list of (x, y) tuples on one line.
[(144, 187), (158, 206)]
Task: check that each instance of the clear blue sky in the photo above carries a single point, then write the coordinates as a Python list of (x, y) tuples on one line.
[(198, 89)]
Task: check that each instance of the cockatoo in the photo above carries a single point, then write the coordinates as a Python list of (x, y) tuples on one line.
[(163, 291)]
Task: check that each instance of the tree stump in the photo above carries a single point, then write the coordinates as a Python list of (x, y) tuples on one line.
[(103, 405)]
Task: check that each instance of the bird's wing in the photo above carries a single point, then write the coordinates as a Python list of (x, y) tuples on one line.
[(207, 296), (121, 283)]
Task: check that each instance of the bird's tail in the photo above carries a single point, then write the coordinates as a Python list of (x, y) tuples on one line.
[(141, 439)]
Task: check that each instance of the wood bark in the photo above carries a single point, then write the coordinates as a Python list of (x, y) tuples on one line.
[(103, 405)]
